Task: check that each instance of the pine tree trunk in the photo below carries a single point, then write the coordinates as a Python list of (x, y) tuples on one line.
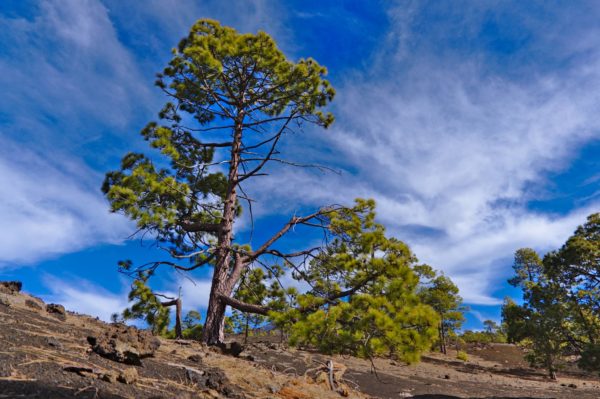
[(550, 367), (177, 304), (213, 332), (442, 338), (178, 329), (246, 331)]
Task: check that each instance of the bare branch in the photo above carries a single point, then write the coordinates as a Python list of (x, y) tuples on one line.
[(293, 221), (154, 265), (259, 144), (269, 154), (307, 165), (207, 129), (291, 255), (268, 120), (184, 100)]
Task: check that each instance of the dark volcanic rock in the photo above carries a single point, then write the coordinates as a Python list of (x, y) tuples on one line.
[(10, 287), (82, 371), (124, 344), (232, 348), (213, 379), (57, 311)]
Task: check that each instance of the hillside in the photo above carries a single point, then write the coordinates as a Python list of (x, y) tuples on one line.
[(48, 353)]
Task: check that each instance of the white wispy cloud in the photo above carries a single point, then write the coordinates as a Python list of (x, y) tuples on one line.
[(452, 151), (74, 96), (66, 69), (66, 81), (50, 208), (175, 17), (481, 317), (91, 298), (86, 297)]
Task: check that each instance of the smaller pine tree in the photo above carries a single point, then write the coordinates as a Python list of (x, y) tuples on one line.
[(381, 314), (147, 307), (542, 321), (439, 292)]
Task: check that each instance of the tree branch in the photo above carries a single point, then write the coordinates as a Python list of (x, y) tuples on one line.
[(280, 254), (293, 221), (238, 267), (154, 265), (243, 306), (260, 144), (270, 153)]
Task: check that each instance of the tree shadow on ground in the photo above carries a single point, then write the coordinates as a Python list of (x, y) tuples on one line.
[(523, 373)]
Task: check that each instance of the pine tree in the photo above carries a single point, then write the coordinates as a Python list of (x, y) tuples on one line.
[(561, 293), (230, 92), (234, 98), (439, 292), (543, 319), (148, 306), (491, 327), (363, 298), (252, 289), (192, 328), (576, 267)]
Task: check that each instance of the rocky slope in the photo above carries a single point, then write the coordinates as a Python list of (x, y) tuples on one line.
[(47, 352)]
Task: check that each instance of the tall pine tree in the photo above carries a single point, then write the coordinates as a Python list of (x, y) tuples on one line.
[(232, 92)]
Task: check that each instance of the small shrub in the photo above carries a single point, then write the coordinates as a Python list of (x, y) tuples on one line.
[(462, 355)]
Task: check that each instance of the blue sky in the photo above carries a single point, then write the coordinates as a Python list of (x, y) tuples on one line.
[(473, 124)]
